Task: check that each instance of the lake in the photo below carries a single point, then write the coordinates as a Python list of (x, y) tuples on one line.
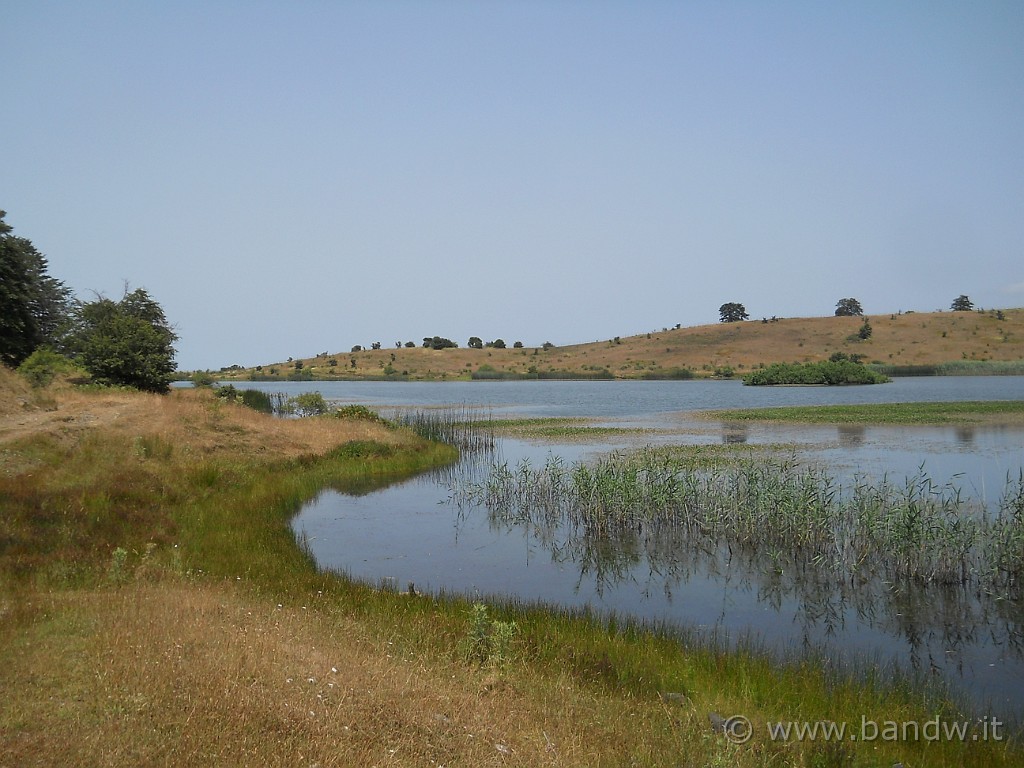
[(412, 533)]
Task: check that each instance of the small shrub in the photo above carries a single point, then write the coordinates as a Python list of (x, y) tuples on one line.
[(43, 365), (306, 404), (227, 392), (360, 412), (477, 638), (201, 379), (487, 641)]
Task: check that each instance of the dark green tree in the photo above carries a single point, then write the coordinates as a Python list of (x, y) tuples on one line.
[(34, 307), (962, 304), (848, 308), (124, 343), (475, 342), (732, 312), (438, 342)]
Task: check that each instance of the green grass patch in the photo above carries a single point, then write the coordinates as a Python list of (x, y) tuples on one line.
[(560, 429), (967, 412)]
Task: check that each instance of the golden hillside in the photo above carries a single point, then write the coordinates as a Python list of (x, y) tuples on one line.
[(909, 339)]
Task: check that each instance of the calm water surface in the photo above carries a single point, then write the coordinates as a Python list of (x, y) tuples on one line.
[(411, 533)]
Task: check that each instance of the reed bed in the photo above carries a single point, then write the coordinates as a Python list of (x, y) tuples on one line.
[(458, 426), (797, 517)]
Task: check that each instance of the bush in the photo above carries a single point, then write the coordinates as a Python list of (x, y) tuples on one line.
[(227, 392), (306, 404), (360, 412), (828, 373), (201, 379), (43, 365)]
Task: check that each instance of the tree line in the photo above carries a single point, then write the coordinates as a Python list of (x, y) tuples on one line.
[(734, 312), (43, 328)]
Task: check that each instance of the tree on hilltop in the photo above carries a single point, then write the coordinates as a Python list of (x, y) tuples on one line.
[(962, 304), (848, 308), (732, 312), (438, 342)]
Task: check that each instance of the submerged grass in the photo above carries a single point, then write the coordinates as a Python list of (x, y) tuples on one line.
[(223, 644), (966, 412)]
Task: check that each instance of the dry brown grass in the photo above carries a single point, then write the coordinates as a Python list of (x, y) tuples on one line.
[(168, 674), (926, 338), (193, 421)]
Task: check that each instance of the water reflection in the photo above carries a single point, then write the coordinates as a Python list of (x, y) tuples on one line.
[(669, 557), (944, 629), (965, 436), (735, 433), (851, 435)]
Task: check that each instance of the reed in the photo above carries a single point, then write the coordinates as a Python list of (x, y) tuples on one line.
[(776, 512), (458, 426), (954, 368)]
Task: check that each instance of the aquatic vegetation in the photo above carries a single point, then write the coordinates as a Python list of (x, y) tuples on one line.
[(462, 427), (775, 515), (256, 399)]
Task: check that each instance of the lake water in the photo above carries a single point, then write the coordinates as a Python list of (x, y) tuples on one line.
[(409, 532)]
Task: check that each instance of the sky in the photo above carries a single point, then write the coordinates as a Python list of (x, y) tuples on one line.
[(289, 178)]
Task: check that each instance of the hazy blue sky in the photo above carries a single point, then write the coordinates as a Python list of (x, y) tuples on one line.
[(287, 178)]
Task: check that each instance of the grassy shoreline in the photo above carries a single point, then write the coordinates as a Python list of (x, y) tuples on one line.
[(952, 413), (222, 643)]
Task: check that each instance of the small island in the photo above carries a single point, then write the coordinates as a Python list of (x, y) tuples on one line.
[(838, 370)]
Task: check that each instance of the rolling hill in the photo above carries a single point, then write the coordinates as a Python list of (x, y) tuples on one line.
[(959, 341)]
